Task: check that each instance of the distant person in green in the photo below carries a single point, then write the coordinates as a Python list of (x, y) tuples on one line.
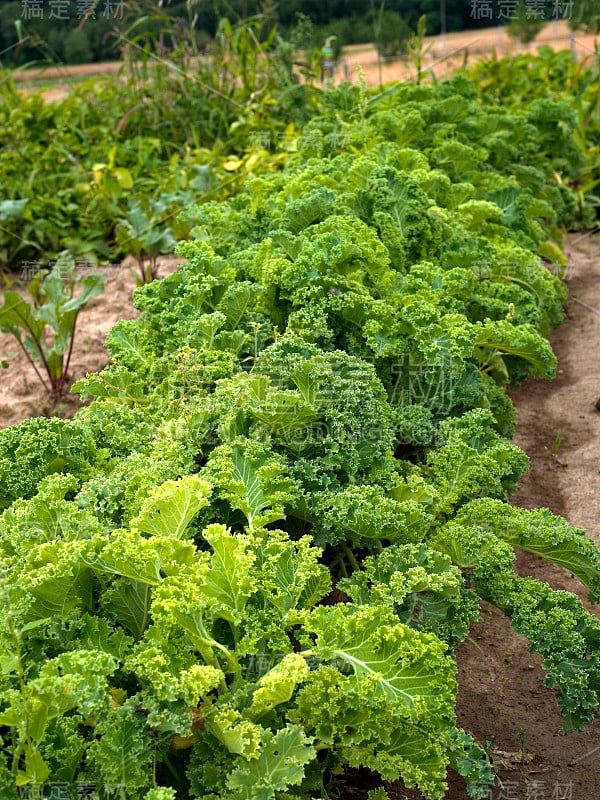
[(328, 62)]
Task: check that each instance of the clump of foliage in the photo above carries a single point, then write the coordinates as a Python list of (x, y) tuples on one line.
[(315, 399), (53, 305), (518, 82), (586, 17), (164, 131), (526, 23), (143, 234)]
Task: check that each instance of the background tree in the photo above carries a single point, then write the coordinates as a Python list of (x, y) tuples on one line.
[(393, 35), (586, 16), (527, 23)]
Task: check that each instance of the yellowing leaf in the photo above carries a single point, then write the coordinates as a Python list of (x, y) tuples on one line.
[(124, 177)]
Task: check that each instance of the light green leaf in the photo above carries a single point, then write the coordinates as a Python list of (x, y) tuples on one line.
[(416, 757), (36, 769), (307, 383), (282, 412), (281, 763), (278, 685), (130, 602), (407, 669), (8, 663), (239, 735), (141, 559), (291, 575), (37, 719), (237, 301), (230, 579), (92, 286), (551, 537), (16, 315), (541, 532), (61, 592), (123, 755), (245, 475), (114, 383), (125, 343), (253, 479), (170, 507), (523, 341)]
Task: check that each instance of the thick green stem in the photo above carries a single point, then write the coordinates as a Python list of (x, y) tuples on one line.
[(351, 558)]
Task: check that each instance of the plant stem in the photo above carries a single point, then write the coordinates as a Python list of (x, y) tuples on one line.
[(351, 557), (33, 364)]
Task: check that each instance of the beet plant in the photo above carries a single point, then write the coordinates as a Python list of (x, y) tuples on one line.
[(44, 326)]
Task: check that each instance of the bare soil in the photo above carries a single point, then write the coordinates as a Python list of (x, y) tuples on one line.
[(502, 699)]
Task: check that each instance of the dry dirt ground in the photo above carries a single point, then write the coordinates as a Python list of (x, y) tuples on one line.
[(502, 699)]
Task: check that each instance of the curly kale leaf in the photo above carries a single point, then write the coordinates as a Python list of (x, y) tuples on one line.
[(473, 461), (361, 514), (117, 494), (121, 757), (541, 532), (382, 665), (555, 622), (422, 587), (281, 763), (353, 427), (170, 507), (47, 517), (39, 447), (253, 480), (502, 338)]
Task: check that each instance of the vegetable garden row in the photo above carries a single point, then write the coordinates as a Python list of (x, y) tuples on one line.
[(247, 565)]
